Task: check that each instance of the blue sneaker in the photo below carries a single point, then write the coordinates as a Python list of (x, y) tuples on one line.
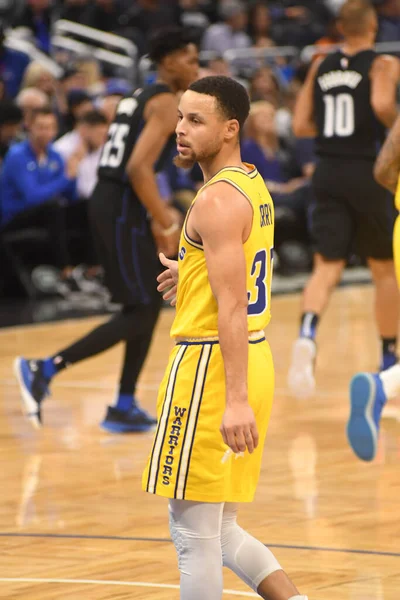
[(33, 387), (367, 398), (135, 420)]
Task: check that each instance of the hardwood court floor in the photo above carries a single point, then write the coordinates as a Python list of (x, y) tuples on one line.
[(74, 523)]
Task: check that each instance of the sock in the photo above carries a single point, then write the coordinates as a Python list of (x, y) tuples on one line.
[(124, 402), (52, 366), (391, 382), (308, 325), (389, 358)]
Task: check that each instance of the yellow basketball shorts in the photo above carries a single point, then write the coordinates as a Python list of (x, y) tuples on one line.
[(189, 459), (396, 249)]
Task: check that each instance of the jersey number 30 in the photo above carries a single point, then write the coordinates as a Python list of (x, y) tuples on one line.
[(339, 115), (258, 295)]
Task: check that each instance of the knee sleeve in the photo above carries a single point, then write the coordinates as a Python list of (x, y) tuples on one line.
[(195, 531), (243, 554)]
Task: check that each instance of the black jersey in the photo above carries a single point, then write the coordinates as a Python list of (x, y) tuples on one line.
[(124, 132), (346, 123)]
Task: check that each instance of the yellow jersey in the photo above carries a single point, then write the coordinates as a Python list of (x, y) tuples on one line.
[(196, 308), (397, 197)]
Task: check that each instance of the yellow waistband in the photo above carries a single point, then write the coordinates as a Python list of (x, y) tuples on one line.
[(253, 336)]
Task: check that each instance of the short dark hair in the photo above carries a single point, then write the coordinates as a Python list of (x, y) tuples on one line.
[(232, 98), (45, 110), (93, 117), (10, 113), (166, 41)]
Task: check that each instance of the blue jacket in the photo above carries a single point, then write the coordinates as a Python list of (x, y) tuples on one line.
[(12, 68), (25, 183)]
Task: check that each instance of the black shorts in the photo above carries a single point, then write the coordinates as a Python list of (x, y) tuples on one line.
[(352, 212), (125, 244)]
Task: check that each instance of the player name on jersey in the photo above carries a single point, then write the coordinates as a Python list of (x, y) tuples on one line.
[(335, 79)]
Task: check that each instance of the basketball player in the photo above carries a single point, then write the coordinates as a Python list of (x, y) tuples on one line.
[(215, 400), (125, 207), (369, 393), (347, 101)]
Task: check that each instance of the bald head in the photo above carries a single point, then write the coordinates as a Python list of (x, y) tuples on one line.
[(357, 18)]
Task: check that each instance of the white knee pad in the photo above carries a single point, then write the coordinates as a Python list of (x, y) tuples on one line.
[(195, 532), (243, 554)]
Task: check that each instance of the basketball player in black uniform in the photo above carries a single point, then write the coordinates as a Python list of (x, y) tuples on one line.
[(347, 102), (127, 214)]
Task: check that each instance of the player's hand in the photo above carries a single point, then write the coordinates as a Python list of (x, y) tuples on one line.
[(168, 279), (239, 428)]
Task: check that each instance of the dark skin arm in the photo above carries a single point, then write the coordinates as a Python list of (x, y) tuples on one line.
[(161, 118)]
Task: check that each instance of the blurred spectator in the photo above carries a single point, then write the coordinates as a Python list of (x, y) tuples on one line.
[(260, 25), (145, 17), (103, 14), (36, 17), (30, 100), (389, 20), (264, 85), (193, 19), (10, 125), (90, 133), (33, 180), (38, 76), (89, 74), (114, 92), (229, 34), (78, 103), (299, 24), (331, 38), (12, 67), (262, 148), (93, 129)]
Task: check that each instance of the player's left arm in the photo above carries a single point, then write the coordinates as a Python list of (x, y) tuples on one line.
[(385, 75), (303, 117), (387, 166), (221, 217)]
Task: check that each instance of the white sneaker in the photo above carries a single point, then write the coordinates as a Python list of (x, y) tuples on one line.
[(301, 381)]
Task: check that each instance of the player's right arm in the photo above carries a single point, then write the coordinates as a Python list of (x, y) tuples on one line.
[(303, 118), (385, 74), (222, 218), (387, 166), (160, 125)]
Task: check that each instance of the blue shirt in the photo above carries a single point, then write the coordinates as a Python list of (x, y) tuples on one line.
[(12, 68), (26, 183), (270, 169)]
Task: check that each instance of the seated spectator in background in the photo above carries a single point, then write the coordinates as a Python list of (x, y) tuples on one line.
[(79, 102), (92, 130), (146, 16), (12, 67), (113, 93), (261, 146), (389, 20), (33, 180), (331, 38), (38, 76), (36, 17), (264, 85), (193, 18), (260, 25), (10, 126), (30, 100), (230, 34), (299, 23)]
